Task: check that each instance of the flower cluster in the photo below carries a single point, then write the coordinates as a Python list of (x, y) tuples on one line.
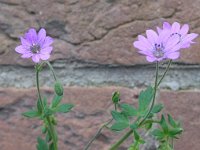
[(166, 43), (38, 46)]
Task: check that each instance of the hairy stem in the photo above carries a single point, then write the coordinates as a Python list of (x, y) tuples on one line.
[(118, 143), (50, 126), (97, 134), (52, 70), (166, 70)]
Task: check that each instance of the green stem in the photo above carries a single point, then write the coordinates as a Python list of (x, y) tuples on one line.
[(166, 70), (52, 70), (116, 145), (154, 96), (99, 131), (97, 134), (50, 126), (52, 132)]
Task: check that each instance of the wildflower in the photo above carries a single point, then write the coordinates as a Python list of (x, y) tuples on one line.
[(182, 32), (37, 46), (158, 47)]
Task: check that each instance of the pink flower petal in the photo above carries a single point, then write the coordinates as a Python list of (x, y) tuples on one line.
[(150, 59), (175, 27), (147, 44), (27, 55), (48, 41), (189, 37), (20, 49), (174, 55), (36, 58), (25, 42), (166, 25), (173, 41), (44, 56), (152, 36), (159, 30), (31, 36), (184, 30), (41, 35), (46, 50)]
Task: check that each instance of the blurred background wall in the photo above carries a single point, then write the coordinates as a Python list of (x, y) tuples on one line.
[(93, 56)]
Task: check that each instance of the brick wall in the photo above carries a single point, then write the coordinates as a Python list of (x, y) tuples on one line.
[(93, 56)]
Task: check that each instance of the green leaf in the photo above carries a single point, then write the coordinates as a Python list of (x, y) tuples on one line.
[(45, 102), (39, 106), (58, 88), (48, 112), (163, 124), (118, 126), (44, 129), (128, 110), (119, 117), (172, 122), (136, 135), (31, 114), (145, 98), (64, 108), (157, 108), (51, 146), (116, 97), (56, 100), (158, 133), (134, 126), (174, 132), (42, 145), (148, 126)]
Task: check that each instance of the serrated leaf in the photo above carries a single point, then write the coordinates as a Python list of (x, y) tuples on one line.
[(42, 145), (174, 132), (172, 121), (48, 112), (118, 126), (119, 117), (145, 98), (56, 100), (157, 108), (158, 133), (31, 114), (163, 124), (128, 110), (64, 108)]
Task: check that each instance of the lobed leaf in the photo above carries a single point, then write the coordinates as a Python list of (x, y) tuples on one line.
[(64, 108), (31, 114), (42, 145), (145, 98)]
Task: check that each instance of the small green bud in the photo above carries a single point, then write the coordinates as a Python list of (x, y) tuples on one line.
[(44, 129), (116, 97), (58, 88), (54, 121)]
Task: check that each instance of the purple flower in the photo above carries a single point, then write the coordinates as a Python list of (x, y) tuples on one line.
[(176, 29), (158, 47), (165, 44), (38, 46)]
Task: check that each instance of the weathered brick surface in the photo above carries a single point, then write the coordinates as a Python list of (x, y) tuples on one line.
[(93, 31), (92, 108)]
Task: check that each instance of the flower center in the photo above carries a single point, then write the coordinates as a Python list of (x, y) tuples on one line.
[(158, 50), (35, 48)]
